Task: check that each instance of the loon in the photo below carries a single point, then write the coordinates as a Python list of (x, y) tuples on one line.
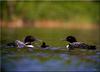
[(73, 43), (44, 45), (27, 42)]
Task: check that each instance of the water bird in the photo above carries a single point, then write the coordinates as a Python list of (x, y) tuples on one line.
[(73, 43), (21, 44), (27, 42), (29, 39), (44, 45)]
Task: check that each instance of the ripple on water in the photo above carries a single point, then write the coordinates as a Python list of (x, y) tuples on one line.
[(67, 63)]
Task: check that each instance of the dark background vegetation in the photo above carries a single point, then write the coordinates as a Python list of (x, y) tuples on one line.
[(50, 9)]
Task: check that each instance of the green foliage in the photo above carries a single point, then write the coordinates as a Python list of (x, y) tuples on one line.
[(65, 10), (3, 9)]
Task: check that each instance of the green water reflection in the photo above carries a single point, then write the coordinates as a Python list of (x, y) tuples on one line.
[(50, 60)]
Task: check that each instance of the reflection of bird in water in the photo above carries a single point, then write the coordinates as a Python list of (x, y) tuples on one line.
[(44, 45), (74, 44)]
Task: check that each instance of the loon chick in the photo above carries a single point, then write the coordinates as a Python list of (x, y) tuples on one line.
[(44, 45), (74, 44)]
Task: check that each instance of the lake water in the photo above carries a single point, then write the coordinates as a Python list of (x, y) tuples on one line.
[(44, 61), (50, 60)]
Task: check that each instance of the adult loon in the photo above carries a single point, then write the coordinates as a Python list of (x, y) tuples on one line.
[(27, 42), (73, 43)]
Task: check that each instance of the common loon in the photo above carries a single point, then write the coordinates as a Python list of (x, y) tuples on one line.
[(74, 44), (27, 42)]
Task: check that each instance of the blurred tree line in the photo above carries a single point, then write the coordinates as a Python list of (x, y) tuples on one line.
[(37, 10)]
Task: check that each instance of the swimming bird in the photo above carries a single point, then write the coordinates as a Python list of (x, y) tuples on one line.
[(21, 44), (27, 42), (44, 45), (73, 43)]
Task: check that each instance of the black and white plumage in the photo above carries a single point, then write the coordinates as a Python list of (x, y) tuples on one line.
[(29, 45), (21, 44), (29, 39), (27, 42), (74, 44)]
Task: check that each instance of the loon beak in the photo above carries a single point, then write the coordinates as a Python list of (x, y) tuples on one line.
[(63, 39), (38, 40)]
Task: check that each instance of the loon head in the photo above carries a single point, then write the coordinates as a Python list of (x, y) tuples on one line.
[(43, 43), (30, 39), (71, 39)]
